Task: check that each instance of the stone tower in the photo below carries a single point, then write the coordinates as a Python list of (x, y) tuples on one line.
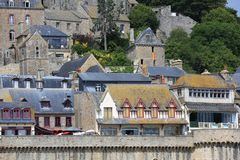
[(34, 55)]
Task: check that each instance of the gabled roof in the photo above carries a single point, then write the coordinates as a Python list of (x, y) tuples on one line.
[(35, 34), (202, 81), (165, 71), (44, 31), (60, 15), (71, 66), (146, 92), (113, 77), (148, 38)]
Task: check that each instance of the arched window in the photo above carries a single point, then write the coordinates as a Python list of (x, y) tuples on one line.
[(26, 113), (12, 35), (11, 19), (16, 113), (37, 52), (28, 19), (11, 3), (27, 4)]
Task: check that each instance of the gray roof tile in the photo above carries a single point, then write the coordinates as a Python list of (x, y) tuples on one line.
[(165, 71), (211, 107)]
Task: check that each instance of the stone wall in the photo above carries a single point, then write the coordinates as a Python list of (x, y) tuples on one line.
[(201, 145)]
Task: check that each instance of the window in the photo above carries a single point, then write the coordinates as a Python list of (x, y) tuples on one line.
[(11, 35), (67, 104), (11, 19), (6, 114), (147, 114), (64, 84), (28, 19), (179, 92), (122, 28), (27, 4), (68, 26), (140, 112), (77, 27), (98, 88), (126, 112), (141, 61), (154, 112), (26, 114), (108, 131), (57, 24), (57, 121), (16, 113), (130, 131), (37, 52), (37, 121), (45, 104), (171, 110), (46, 121), (190, 92), (15, 83), (133, 114), (107, 112), (68, 121), (151, 131), (11, 3), (172, 131), (27, 83)]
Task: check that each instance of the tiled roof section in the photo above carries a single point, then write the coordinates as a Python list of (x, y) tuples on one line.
[(148, 38), (147, 93), (132, 2), (165, 71), (15, 105), (211, 107), (236, 79), (71, 66), (60, 15), (20, 3), (113, 77), (202, 81), (45, 31), (56, 98), (92, 11)]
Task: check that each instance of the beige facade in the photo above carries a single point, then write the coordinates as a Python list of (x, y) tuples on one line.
[(14, 21), (34, 55)]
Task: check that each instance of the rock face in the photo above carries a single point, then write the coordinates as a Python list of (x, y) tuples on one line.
[(201, 145)]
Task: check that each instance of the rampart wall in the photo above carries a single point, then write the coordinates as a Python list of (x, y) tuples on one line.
[(201, 145)]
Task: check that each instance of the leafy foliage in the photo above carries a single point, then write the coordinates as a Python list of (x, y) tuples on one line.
[(142, 16), (213, 44)]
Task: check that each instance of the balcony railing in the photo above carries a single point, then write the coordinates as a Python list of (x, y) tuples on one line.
[(214, 125)]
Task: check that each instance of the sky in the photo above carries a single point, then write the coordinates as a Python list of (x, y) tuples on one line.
[(234, 4)]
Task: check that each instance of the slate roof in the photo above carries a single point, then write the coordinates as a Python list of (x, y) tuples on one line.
[(147, 93), (113, 77), (202, 81), (71, 66), (211, 107), (20, 4), (48, 81), (148, 38), (95, 68), (55, 96), (44, 31), (60, 15), (12, 105), (165, 71)]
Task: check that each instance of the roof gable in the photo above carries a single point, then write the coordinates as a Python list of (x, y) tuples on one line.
[(148, 38)]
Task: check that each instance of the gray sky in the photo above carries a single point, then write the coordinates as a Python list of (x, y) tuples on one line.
[(235, 4)]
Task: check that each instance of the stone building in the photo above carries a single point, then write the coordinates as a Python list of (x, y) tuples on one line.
[(134, 109), (15, 17), (170, 21), (45, 45), (209, 99), (17, 119), (147, 50)]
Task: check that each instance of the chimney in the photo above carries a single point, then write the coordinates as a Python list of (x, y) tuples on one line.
[(39, 79), (132, 40), (176, 63), (225, 73)]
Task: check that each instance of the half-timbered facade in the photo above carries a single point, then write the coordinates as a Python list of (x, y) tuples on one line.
[(141, 109), (209, 99)]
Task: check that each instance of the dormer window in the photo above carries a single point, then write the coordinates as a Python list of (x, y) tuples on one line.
[(23, 100), (27, 4), (171, 109), (67, 103), (11, 3), (140, 109), (16, 113), (15, 82), (26, 113), (6, 113), (154, 109), (45, 104), (126, 109), (27, 83), (98, 88)]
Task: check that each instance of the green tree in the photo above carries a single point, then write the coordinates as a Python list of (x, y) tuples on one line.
[(105, 22), (142, 16)]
